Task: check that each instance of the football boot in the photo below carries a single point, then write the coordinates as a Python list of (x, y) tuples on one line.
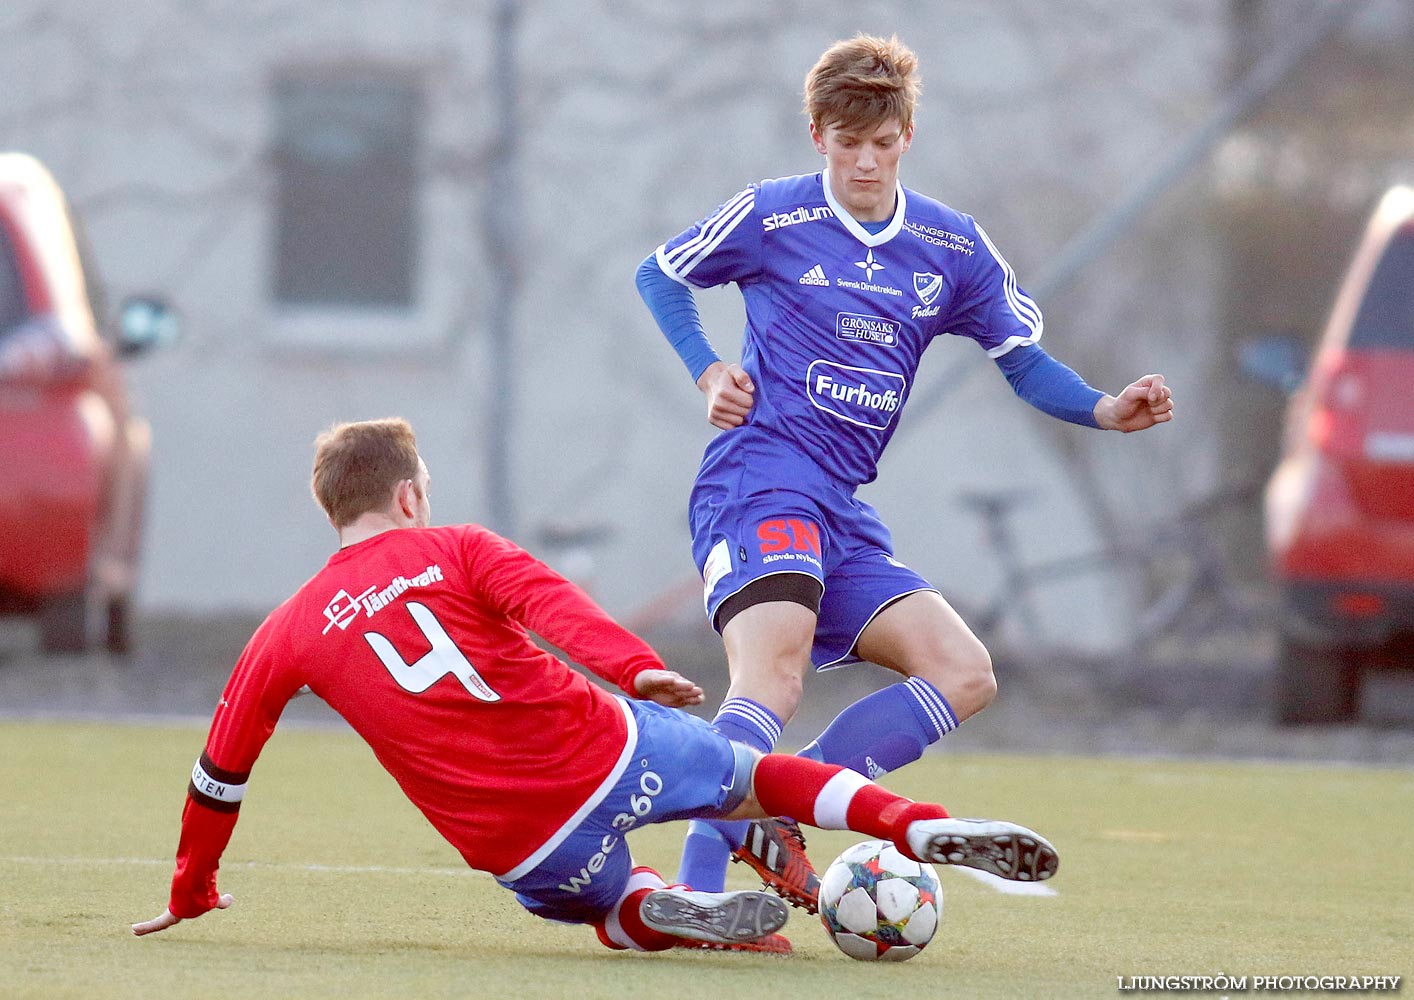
[(775, 850), (994, 846)]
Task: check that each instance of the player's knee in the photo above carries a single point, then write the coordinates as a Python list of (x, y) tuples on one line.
[(792, 689), (774, 678), (964, 676), (981, 683), (784, 687), (977, 681)]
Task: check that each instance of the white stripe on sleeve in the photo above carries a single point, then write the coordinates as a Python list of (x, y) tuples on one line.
[(681, 259), (667, 268), (1010, 344), (1021, 304)]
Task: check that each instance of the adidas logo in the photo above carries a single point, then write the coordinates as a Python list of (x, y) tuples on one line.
[(815, 276)]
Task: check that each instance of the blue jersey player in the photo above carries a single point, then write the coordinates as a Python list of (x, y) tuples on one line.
[(847, 278)]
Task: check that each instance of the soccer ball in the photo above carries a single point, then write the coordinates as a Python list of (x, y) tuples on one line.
[(879, 906)]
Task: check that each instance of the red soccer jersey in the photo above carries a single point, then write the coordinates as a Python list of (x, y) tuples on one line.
[(418, 638)]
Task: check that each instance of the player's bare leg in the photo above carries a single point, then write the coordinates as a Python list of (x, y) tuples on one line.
[(768, 654), (922, 636)]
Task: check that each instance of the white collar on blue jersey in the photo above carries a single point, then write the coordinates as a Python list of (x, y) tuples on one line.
[(852, 224)]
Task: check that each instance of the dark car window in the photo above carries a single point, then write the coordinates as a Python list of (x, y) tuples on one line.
[(12, 293), (1386, 317)]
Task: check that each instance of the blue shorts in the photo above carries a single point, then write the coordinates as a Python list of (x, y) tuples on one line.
[(827, 533), (680, 767)]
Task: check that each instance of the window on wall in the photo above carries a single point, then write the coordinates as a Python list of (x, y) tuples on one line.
[(346, 158)]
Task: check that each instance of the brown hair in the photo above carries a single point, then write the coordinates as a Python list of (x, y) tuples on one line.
[(861, 83), (357, 466)]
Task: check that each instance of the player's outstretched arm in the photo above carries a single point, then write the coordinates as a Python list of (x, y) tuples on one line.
[(167, 918), (667, 687), (1141, 405), (729, 391)]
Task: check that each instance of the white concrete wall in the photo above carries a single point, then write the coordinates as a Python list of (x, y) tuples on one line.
[(638, 119)]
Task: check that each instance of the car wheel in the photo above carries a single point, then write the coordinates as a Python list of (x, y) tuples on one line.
[(64, 624), (1316, 684)]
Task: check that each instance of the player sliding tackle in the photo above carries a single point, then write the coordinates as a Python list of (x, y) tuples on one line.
[(418, 637)]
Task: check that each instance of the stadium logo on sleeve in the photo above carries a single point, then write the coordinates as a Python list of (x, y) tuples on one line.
[(779, 220), (862, 396), (864, 329)]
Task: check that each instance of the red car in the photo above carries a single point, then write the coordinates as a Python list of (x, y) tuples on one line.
[(73, 457), (1340, 505)]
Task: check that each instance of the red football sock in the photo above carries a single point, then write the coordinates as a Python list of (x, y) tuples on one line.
[(836, 798), (623, 927)]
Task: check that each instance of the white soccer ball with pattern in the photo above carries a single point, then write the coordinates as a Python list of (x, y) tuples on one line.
[(879, 906)]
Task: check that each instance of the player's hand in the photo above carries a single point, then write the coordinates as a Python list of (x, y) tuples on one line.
[(167, 918), (1142, 404), (667, 687), (730, 394)]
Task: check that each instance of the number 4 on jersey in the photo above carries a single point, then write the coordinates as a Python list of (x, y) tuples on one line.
[(442, 659)]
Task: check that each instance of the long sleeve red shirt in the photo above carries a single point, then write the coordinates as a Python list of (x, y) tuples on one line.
[(418, 637)]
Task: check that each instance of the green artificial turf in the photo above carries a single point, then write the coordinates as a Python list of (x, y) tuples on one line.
[(343, 890)]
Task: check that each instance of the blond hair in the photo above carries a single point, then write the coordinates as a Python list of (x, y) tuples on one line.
[(357, 467), (861, 83)]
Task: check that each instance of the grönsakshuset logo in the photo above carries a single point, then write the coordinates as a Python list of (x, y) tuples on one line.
[(865, 329)]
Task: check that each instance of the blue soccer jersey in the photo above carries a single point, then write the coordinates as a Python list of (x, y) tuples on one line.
[(837, 318)]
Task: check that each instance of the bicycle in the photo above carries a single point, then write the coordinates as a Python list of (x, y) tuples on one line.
[(1193, 591)]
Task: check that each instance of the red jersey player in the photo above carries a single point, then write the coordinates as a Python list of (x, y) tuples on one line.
[(419, 637)]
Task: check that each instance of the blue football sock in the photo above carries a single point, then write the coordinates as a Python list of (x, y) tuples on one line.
[(885, 730), (709, 843), (705, 853)]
